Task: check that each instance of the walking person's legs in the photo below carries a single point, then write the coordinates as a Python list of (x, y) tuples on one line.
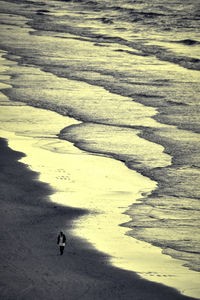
[(61, 250)]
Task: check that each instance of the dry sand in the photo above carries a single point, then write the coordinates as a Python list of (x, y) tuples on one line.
[(31, 267)]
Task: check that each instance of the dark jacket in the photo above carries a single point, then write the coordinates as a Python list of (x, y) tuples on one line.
[(59, 236)]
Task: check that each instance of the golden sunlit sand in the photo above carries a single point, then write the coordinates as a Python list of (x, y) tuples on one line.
[(127, 72), (103, 186)]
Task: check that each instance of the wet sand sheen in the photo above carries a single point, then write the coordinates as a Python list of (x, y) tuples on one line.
[(101, 185), (32, 269)]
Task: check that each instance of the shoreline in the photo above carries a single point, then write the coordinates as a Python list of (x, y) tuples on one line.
[(99, 243), (40, 136), (31, 265), (49, 144)]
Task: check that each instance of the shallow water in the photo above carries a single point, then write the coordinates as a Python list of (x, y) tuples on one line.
[(130, 72), (102, 186)]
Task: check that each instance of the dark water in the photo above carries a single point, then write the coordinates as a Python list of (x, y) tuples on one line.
[(129, 70)]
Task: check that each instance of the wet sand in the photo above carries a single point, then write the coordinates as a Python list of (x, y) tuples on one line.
[(37, 205), (34, 221), (31, 266)]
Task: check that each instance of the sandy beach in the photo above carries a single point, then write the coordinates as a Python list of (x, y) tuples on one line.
[(99, 138), (36, 206), (31, 266)]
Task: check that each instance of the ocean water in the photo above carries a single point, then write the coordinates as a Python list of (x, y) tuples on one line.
[(129, 72)]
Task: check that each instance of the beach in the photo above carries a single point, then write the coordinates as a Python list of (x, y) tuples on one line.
[(99, 127), (32, 267), (89, 191)]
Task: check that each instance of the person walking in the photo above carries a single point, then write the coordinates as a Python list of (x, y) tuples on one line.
[(61, 242)]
